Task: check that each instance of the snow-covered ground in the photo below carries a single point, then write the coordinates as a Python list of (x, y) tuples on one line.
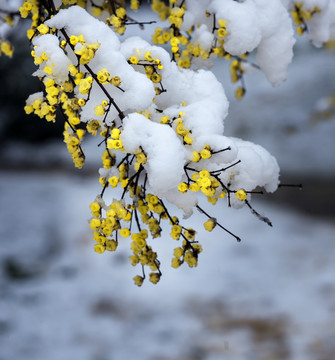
[(269, 297)]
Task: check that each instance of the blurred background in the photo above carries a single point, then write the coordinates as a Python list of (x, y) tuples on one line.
[(270, 297)]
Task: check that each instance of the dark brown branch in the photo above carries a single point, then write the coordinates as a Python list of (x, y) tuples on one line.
[(219, 225)]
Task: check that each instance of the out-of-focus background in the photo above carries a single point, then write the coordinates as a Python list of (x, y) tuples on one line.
[(270, 297)]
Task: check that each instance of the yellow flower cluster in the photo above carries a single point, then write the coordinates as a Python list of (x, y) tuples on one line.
[(236, 73), (60, 94), (85, 84), (161, 9), (222, 31), (180, 129), (152, 67), (31, 7), (118, 20), (143, 254), (135, 4), (187, 253), (176, 16), (108, 159), (177, 42), (115, 143), (73, 143), (118, 214), (6, 48), (236, 70), (206, 183), (301, 15), (86, 51)]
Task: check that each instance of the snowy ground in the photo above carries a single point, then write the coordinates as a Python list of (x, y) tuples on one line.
[(269, 297)]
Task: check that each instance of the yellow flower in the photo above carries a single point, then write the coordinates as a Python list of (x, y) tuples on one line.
[(300, 30), (81, 102), (113, 181), (165, 120), (125, 232), (239, 93), (222, 32), (205, 153), (196, 156), (178, 252), (111, 245), (182, 187), (99, 248), (133, 60), (204, 182), (154, 277), (190, 259), (115, 81), (96, 11), (190, 234), (154, 200), (48, 70), (121, 12), (141, 158), (194, 187), (174, 41), (138, 280), (103, 76), (73, 70), (176, 231), (184, 63), (134, 4), (188, 140), (114, 144), (115, 133), (7, 48), (73, 40), (241, 195), (210, 224), (174, 49), (99, 110), (95, 207), (222, 23), (175, 263), (155, 78), (43, 29), (95, 224)]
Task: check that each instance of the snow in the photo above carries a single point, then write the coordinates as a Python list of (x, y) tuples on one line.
[(290, 125), (258, 24), (321, 26), (165, 153)]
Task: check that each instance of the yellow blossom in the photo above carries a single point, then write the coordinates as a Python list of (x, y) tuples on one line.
[(125, 232), (138, 280), (182, 187), (99, 248), (210, 224), (154, 277), (241, 195), (99, 110), (43, 29)]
